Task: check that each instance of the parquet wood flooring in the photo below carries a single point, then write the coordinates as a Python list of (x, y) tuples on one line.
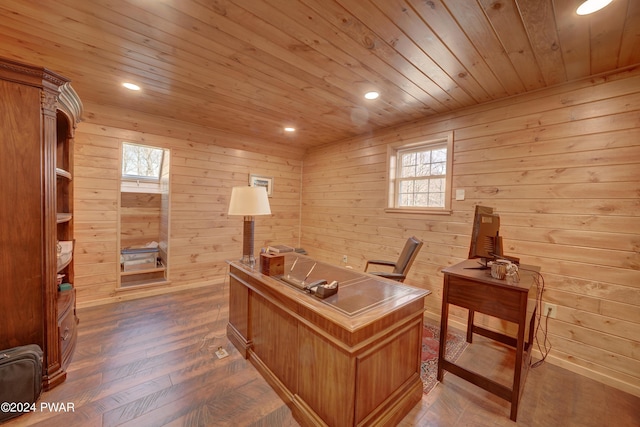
[(151, 362)]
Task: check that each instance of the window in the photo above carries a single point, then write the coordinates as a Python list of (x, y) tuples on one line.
[(420, 175), (141, 162)]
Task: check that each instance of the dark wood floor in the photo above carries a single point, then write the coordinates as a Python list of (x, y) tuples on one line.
[(152, 362)]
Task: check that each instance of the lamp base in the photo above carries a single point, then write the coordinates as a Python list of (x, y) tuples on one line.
[(247, 242), (248, 260)]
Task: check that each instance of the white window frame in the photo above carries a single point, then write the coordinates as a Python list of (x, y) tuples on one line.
[(127, 177), (421, 144)]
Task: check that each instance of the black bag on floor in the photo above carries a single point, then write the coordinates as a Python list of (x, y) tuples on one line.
[(20, 380)]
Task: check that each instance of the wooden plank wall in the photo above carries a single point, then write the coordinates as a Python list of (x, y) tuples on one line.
[(562, 168), (139, 219), (202, 235)]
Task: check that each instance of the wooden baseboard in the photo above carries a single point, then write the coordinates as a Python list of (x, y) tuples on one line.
[(141, 292), (238, 341)]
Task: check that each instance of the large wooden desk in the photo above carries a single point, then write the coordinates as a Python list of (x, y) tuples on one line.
[(352, 359), (476, 290)]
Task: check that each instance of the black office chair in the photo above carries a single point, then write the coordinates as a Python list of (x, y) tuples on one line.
[(402, 265)]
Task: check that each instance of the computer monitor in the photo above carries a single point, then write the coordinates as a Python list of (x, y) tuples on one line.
[(486, 242)]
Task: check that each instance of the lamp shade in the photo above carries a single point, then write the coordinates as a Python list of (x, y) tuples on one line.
[(249, 201)]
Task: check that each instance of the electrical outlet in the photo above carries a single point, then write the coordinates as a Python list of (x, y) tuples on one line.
[(344, 259), (550, 309)]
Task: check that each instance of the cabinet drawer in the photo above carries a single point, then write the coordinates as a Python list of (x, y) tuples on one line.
[(68, 332)]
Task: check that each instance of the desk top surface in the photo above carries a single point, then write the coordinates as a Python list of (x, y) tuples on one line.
[(358, 292), (467, 269)]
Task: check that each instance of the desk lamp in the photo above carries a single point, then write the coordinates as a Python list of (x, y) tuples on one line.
[(249, 202)]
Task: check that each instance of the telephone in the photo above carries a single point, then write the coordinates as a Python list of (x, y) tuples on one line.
[(325, 289), (315, 284)]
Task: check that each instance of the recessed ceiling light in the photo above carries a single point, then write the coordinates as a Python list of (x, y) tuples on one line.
[(590, 6), (289, 129), (371, 95), (131, 86)]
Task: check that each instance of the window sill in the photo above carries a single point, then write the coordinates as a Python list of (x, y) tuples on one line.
[(429, 211)]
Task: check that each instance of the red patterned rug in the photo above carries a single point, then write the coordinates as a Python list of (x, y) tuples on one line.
[(430, 341)]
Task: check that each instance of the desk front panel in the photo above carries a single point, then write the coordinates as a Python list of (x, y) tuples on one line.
[(326, 377), (274, 337), (389, 368), (485, 298)]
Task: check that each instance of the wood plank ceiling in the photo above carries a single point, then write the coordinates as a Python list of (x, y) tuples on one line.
[(251, 67)]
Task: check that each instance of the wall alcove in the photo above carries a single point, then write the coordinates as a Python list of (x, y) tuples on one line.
[(144, 217)]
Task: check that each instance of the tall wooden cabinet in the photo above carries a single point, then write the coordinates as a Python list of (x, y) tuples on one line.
[(38, 115)]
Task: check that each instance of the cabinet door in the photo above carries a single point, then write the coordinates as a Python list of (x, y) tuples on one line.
[(21, 210)]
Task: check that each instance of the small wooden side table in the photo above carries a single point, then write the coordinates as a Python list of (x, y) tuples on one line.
[(476, 290)]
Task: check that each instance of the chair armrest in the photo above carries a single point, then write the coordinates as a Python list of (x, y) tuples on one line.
[(380, 262), (393, 276)]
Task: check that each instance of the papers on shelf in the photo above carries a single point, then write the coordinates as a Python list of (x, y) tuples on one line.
[(65, 252)]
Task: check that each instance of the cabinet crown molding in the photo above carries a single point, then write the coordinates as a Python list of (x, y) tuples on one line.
[(70, 103)]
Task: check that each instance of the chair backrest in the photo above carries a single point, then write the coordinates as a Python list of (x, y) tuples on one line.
[(408, 254)]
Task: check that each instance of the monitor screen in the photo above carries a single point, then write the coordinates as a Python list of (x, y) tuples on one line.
[(485, 238)]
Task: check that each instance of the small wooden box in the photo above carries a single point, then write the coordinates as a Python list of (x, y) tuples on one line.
[(272, 264)]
